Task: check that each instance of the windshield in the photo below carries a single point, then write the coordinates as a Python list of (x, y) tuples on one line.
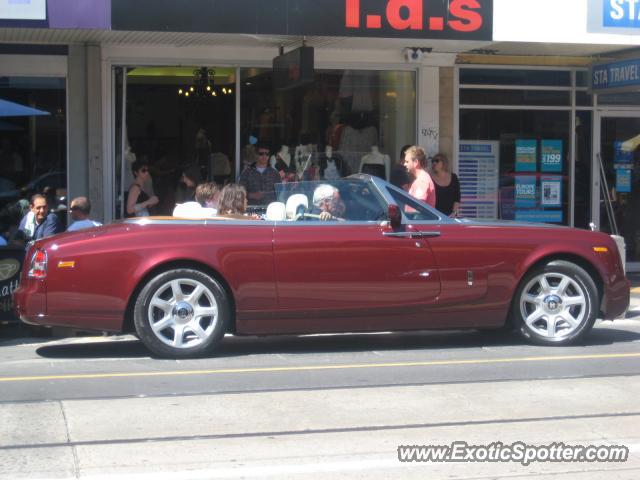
[(348, 199)]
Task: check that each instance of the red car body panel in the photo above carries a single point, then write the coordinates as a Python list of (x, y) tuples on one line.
[(288, 277)]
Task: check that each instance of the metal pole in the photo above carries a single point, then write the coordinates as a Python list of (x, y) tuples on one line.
[(607, 198)]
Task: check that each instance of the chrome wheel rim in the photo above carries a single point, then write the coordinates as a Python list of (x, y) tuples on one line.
[(183, 313), (553, 305)]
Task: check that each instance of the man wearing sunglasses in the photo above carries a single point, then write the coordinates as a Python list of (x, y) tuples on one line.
[(80, 210), (259, 179)]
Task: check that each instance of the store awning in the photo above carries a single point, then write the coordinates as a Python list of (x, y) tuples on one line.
[(11, 109)]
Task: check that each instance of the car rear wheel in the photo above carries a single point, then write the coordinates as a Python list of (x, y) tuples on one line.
[(556, 304), (181, 313)]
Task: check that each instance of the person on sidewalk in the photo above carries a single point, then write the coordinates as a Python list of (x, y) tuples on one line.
[(80, 210), (422, 187)]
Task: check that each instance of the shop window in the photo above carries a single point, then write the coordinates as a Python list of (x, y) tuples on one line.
[(532, 150), (584, 99), (472, 96), (344, 122), (178, 119), (619, 99), (540, 78), (33, 150), (582, 78)]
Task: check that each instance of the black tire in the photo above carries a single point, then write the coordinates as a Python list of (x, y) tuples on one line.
[(560, 314), (181, 323)]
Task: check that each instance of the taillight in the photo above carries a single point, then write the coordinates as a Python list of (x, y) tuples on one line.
[(38, 268)]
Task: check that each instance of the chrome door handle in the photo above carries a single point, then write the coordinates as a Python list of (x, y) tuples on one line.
[(429, 234), (411, 234), (402, 234)]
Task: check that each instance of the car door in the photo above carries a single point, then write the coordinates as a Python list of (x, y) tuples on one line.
[(354, 267), (463, 256)]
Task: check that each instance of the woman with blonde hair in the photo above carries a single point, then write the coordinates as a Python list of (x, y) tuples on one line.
[(233, 200), (447, 186)]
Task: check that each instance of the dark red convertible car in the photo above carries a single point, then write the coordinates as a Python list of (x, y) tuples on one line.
[(387, 262)]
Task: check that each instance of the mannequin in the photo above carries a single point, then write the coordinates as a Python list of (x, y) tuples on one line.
[(376, 163), (282, 156), (332, 166), (302, 158)]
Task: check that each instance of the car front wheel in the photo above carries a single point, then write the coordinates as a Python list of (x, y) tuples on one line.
[(556, 304), (181, 313)]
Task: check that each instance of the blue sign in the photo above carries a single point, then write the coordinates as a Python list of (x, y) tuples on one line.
[(551, 156), (622, 158), (543, 216), (616, 75), (526, 155), (620, 13), (525, 191), (623, 180)]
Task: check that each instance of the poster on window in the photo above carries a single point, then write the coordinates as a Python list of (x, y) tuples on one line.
[(551, 191), (551, 156), (623, 180), (478, 164), (525, 191), (526, 155), (622, 158)]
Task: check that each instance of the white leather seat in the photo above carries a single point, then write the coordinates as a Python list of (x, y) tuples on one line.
[(276, 211), (294, 202), (193, 210)]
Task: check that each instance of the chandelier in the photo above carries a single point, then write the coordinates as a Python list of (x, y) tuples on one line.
[(203, 85)]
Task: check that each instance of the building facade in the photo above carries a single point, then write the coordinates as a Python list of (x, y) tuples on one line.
[(503, 87)]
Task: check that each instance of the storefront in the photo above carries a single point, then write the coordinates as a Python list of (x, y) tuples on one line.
[(533, 131), (350, 108)]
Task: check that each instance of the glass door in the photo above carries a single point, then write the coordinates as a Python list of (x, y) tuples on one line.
[(620, 153)]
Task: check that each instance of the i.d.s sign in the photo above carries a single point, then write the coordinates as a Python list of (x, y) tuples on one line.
[(411, 19)]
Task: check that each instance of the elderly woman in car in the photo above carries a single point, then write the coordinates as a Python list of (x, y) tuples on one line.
[(327, 203)]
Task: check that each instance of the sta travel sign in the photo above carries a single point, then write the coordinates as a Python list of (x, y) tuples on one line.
[(437, 19), (618, 75), (621, 13)]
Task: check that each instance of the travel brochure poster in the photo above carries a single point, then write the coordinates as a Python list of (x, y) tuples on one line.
[(526, 191), (623, 163), (551, 191), (478, 171), (526, 155), (623, 180), (538, 195), (551, 156)]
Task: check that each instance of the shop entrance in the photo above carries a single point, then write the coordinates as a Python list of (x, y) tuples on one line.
[(619, 147), (174, 119)]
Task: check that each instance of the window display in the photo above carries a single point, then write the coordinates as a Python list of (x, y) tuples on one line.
[(344, 122)]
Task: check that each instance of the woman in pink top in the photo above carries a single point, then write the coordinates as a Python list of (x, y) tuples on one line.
[(422, 187)]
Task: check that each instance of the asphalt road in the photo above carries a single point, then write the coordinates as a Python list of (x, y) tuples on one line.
[(120, 367), (332, 406)]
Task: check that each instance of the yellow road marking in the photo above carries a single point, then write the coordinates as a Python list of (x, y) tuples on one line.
[(85, 376)]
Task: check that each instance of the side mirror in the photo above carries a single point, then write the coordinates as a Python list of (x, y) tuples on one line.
[(395, 216)]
